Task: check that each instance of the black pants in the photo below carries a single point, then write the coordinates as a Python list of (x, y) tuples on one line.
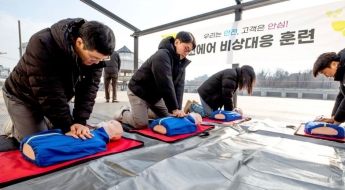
[(26, 119)]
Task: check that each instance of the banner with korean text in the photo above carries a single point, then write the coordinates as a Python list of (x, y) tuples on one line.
[(291, 40)]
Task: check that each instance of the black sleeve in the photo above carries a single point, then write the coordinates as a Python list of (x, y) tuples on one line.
[(339, 108), (119, 61), (45, 83), (162, 72), (180, 90), (228, 89)]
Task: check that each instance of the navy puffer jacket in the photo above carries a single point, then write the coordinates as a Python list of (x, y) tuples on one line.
[(49, 74), (339, 106), (161, 76), (218, 90)]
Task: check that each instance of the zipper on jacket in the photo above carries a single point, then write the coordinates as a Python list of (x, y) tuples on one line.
[(79, 77), (42, 136), (163, 119)]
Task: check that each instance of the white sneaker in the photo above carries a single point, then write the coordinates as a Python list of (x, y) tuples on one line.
[(119, 112), (7, 127)]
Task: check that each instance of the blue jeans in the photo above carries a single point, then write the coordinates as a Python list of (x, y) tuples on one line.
[(204, 109)]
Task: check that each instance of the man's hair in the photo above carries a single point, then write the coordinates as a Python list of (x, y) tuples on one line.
[(248, 79), (98, 36), (324, 61), (186, 37)]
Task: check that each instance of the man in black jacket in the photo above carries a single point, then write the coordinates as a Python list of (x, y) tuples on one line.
[(60, 62), (158, 85), (111, 72), (332, 64)]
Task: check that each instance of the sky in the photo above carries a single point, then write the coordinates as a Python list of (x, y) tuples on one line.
[(35, 15)]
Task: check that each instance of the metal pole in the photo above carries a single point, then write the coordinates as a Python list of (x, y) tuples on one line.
[(20, 41), (238, 17), (238, 12), (235, 65), (136, 56)]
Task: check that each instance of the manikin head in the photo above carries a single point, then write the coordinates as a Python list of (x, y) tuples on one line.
[(197, 117), (238, 110), (113, 128)]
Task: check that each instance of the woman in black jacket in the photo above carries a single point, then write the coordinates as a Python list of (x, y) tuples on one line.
[(158, 85), (332, 64), (217, 91), (60, 62)]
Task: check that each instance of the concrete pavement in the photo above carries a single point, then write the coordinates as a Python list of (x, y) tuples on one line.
[(290, 110), (278, 109)]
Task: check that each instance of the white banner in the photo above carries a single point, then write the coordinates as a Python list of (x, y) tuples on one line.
[(291, 41)]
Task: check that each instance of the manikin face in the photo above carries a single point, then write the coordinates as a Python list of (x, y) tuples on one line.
[(113, 128), (183, 49), (197, 118), (330, 72), (87, 56)]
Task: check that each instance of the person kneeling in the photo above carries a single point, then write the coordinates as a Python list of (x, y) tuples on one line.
[(52, 146), (171, 126)]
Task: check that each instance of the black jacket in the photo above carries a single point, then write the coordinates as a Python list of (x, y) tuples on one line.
[(49, 74), (217, 91), (339, 106), (113, 65), (161, 76)]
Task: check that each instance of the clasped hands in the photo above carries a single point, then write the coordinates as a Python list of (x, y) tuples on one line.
[(79, 130), (328, 120), (178, 113)]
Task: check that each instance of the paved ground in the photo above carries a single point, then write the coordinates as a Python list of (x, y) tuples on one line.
[(289, 110), (279, 109)]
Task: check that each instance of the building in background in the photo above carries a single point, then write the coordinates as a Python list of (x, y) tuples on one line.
[(127, 68), (127, 64)]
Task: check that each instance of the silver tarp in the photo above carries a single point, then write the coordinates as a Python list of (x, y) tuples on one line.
[(266, 155)]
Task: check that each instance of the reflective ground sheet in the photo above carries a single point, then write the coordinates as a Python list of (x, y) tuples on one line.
[(222, 160), (300, 131)]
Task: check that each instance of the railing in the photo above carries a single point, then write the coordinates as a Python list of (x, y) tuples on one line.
[(321, 94)]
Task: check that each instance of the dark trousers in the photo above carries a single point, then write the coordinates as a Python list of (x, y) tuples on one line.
[(142, 111), (26, 119), (113, 78)]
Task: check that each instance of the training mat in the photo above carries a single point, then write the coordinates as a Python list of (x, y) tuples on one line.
[(300, 132), (147, 132), (208, 121), (14, 168)]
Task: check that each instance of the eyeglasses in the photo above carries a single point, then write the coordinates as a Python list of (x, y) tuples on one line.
[(187, 50), (93, 58)]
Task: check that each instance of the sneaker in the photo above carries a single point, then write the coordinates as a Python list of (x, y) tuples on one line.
[(187, 106), (115, 101), (107, 101), (7, 127), (119, 112)]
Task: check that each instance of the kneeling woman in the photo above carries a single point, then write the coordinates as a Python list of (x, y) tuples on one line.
[(218, 90)]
